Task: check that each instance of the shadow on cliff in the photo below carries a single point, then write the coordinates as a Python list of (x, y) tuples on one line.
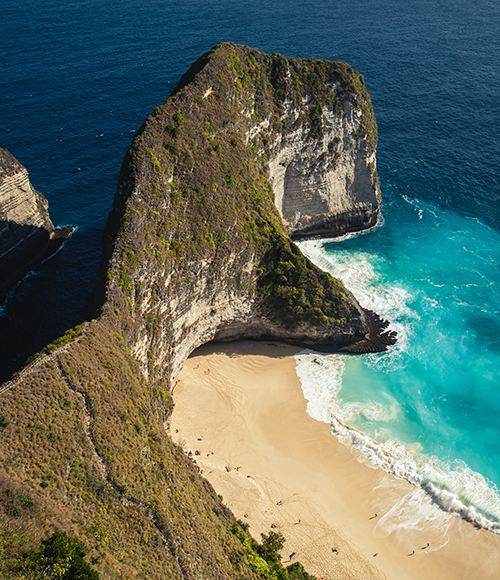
[(267, 348), (21, 247), (55, 288), (378, 339)]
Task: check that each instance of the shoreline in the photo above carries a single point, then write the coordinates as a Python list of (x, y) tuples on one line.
[(52, 246), (402, 461), (240, 410)]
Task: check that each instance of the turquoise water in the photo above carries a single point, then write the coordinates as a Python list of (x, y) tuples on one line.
[(79, 78), (434, 274)]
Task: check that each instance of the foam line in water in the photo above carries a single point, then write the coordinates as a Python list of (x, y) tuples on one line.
[(357, 271), (74, 229), (414, 512), (453, 488), (459, 491), (8, 297)]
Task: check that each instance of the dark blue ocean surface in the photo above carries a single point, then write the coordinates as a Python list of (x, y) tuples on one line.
[(79, 78)]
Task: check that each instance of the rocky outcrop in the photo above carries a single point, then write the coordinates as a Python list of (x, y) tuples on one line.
[(328, 185), (249, 148), (323, 171), (25, 225)]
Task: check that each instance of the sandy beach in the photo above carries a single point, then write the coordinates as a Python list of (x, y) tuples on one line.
[(239, 409)]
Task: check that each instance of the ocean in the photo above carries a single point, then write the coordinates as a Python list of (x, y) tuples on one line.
[(430, 405), (79, 78)]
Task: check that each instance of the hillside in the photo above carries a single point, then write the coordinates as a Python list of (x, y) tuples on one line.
[(249, 149)]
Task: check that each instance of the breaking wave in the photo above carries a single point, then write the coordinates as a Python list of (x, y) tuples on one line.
[(453, 487)]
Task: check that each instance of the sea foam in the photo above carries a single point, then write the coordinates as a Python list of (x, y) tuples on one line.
[(358, 272), (456, 488)]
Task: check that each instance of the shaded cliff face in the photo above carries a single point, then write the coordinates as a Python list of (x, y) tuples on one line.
[(197, 250), (323, 172), (202, 251), (25, 225)]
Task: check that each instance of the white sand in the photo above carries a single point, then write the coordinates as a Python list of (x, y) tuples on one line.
[(277, 468)]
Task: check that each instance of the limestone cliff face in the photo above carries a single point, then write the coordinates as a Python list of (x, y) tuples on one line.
[(250, 148), (25, 225), (321, 158), (327, 185)]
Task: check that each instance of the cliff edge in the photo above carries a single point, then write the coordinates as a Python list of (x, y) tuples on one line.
[(25, 225), (205, 206), (249, 149)]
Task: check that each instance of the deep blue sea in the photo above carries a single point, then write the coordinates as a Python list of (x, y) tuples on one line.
[(79, 78)]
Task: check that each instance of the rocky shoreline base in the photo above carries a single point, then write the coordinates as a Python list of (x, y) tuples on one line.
[(379, 338), (36, 250)]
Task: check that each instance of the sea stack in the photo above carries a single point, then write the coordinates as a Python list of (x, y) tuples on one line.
[(25, 225)]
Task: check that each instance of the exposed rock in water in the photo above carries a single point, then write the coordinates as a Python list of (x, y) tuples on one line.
[(25, 225), (378, 339), (249, 149)]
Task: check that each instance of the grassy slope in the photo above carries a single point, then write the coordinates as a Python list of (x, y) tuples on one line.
[(48, 458)]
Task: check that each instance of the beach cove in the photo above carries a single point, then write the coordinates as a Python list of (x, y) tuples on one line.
[(240, 411)]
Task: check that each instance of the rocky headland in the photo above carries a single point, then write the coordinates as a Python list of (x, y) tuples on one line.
[(25, 225), (27, 234), (249, 150)]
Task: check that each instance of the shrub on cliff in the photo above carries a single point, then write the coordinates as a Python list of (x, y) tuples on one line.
[(58, 557), (265, 558), (297, 290)]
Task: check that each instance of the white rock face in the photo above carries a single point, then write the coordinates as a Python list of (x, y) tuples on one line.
[(329, 185), (25, 225), (23, 211), (194, 318)]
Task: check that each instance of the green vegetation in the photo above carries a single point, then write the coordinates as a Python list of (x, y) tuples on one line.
[(58, 558), (154, 160), (82, 434), (265, 558), (178, 118), (220, 199), (150, 487), (66, 338), (296, 290)]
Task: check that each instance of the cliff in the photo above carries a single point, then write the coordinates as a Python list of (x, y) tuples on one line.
[(198, 249), (201, 252), (25, 226), (323, 172)]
